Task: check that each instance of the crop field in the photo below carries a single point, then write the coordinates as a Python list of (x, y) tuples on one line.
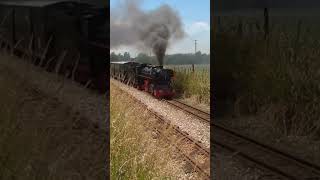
[(192, 82)]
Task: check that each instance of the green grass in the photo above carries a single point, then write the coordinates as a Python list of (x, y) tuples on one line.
[(134, 154), (191, 83)]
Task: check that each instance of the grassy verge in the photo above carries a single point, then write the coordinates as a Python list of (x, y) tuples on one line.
[(193, 84), (135, 152), (42, 138)]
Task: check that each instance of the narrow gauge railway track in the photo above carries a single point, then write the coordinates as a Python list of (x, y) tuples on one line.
[(276, 162), (191, 110), (192, 151)]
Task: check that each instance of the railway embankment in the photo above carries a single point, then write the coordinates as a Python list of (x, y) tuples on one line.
[(50, 128), (195, 127), (225, 165)]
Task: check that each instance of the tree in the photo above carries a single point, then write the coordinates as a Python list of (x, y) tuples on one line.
[(143, 58), (120, 57), (198, 58), (113, 57), (126, 56), (198, 53)]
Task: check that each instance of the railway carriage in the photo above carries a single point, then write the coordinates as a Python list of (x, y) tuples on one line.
[(124, 71), (60, 35)]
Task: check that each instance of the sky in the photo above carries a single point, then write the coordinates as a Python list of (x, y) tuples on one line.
[(195, 16)]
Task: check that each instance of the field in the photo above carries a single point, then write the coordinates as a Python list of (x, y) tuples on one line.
[(192, 82), (274, 79)]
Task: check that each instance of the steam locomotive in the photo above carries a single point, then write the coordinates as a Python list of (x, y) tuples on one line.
[(153, 79), (68, 37)]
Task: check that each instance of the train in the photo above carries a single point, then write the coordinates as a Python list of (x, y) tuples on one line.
[(66, 37), (155, 80)]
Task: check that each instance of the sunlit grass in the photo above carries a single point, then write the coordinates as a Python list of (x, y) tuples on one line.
[(134, 153), (191, 82)]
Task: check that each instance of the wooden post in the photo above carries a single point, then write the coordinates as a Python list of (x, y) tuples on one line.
[(266, 23), (266, 29), (45, 35), (13, 27), (296, 46), (192, 67), (240, 29), (219, 23), (31, 29)]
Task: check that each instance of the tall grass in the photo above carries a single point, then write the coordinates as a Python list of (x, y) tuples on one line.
[(134, 153), (191, 82), (277, 77), (42, 138)]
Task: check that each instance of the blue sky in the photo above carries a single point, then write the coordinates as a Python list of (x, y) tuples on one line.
[(195, 16)]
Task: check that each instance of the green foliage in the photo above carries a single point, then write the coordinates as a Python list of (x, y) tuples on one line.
[(192, 84), (126, 56), (144, 58)]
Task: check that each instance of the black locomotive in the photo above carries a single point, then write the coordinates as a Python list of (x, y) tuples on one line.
[(67, 37), (153, 79)]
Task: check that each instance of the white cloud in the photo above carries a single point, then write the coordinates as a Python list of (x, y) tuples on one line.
[(197, 27), (199, 31)]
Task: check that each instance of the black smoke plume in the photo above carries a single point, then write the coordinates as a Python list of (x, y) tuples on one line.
[(155, 30)]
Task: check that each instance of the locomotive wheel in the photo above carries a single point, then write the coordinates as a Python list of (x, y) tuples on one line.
[(154, 93), (151, 89)]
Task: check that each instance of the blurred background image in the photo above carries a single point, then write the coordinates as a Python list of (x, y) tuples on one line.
[(266, 87)]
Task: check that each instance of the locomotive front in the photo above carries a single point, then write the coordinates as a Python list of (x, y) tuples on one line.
[(157, 81)]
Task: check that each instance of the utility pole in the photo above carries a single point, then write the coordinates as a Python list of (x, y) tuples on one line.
[(195, 46)]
